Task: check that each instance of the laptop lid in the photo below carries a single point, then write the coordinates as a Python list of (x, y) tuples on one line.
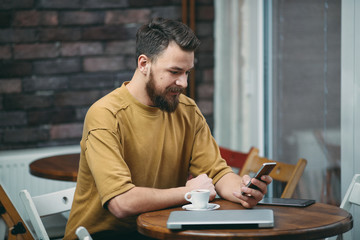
[(226, 219)]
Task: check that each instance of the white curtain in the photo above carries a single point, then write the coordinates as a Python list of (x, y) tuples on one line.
[(239, 74)]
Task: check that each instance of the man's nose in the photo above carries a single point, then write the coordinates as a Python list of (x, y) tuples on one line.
[(182, 81)]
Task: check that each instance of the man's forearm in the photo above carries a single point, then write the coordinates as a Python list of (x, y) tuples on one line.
[(140, 199), (227, 185)]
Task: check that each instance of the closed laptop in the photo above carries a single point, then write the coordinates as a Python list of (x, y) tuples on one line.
[(225, 219)]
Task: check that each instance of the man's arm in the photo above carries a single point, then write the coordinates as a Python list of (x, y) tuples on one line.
[(231, 185), (140, 199)]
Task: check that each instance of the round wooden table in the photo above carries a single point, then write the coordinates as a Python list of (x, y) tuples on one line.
[(60, 167), (313, 222)]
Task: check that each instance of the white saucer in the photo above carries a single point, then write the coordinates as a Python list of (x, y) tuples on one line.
[(211, 206)]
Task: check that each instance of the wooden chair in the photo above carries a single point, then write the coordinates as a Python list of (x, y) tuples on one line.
[(17, 228), (283, 172), (352, 197), (48, 207), (236, 159)]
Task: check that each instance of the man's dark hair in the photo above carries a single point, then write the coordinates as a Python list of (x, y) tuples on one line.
[(153, 38)]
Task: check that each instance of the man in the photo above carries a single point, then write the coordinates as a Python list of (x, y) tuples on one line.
[(141, 141)]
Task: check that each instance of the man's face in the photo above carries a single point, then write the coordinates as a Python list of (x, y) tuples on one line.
[(168, 77), (167, 99)]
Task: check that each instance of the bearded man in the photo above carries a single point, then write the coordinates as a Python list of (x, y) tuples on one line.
[(142, 141)]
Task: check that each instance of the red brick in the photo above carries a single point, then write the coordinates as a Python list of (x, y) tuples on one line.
[(48, 116), (206, 107), (81, 113), (130, 63), (205, 60), (205, 29), (171, 12), (10, 4), (49, 18), (24, 35), (205, 91), (205, 13), (25, 135), (5, 52), (96, 64), (26, 18), (127, 16), (26, 101), (10, 85), (122, 77), (77, 98), (81, 49), (63, 131), (57, 66), (34, 51), (6, 35), (35, 83), (147, 3), (13, 118), (15, 69), (81, 18), (60, 34), (17, 35), (123, 47), (99, 4), (59, 4), (207, 45), (109, 33), (208, 75), (92, 81)]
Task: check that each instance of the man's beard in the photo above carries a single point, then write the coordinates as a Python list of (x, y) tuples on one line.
[(160, 99)]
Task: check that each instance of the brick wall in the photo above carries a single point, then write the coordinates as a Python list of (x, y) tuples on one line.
[(57, 57)]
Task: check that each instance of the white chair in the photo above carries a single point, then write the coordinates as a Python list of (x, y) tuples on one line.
[(82, 233), (45, 212), (351, 197), (16, 227)]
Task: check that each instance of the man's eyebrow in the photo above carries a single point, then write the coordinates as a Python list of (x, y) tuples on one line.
[(180, 69)]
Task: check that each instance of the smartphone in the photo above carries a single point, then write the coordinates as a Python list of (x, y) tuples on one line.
[(292, 202), (264, 170)]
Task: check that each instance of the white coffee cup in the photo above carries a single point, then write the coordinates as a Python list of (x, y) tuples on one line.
[(199, 198)]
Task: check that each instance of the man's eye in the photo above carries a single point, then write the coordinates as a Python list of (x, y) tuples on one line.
[(174, 72)]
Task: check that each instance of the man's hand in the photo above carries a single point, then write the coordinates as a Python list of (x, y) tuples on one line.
[(252, 196), (202, 182), (231, 185)]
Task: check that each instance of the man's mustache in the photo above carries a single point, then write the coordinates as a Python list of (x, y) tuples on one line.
[(175, 89)]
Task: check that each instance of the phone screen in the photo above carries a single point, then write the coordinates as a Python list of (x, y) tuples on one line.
[(264, 170)]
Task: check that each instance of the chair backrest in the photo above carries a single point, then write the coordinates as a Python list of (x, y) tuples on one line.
[(352, 195), (17, 228), (283, 172), (82, 233), (236, 159), (46, 205)]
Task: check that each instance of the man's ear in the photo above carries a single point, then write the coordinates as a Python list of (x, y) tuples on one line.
[(143, 64)]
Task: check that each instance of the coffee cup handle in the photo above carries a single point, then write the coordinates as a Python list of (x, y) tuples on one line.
[(187, 195)]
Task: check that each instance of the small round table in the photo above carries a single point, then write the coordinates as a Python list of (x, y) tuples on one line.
[(313, 222), (60, 167)]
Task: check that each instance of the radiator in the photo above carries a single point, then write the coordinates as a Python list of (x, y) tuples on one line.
[(15, 175)]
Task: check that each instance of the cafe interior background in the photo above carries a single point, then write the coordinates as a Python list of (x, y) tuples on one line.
[(278, 75)]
